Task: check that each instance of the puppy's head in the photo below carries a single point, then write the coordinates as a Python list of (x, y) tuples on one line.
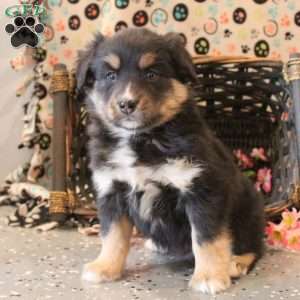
[(135, 80)]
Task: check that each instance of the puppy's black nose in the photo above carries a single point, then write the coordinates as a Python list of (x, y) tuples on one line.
[(127, 106)]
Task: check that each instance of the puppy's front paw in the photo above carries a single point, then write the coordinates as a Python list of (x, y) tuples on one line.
[(98, 271), (210, 284)]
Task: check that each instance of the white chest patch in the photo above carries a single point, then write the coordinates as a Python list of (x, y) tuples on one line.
[(121, 166)]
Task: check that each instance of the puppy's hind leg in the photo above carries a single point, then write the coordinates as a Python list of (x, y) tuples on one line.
[(240, 264), (111, 261)]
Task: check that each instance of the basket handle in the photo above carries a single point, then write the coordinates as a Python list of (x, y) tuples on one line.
[(58, 196), (293, 77)]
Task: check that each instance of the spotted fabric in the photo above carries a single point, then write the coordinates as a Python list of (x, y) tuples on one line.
[(254, 27)]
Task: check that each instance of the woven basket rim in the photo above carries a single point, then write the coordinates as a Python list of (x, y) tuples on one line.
[(233, 59)]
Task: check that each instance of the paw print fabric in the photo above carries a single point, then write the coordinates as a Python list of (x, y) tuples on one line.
[(210, 27), (261, 28)]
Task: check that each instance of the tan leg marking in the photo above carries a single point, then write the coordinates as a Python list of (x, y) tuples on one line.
[(111, 261), (212, 261), (240, 264)]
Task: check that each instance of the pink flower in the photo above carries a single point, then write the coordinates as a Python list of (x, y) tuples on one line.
[(292, 239), (243, 160), (287, 233), (258, 186), (290, 219), (264, 177), (275, 234), (259, 153)]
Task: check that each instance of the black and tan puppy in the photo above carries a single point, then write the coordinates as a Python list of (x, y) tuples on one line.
[(157, 166)]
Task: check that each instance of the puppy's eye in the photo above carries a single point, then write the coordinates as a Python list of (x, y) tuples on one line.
[(111, 76), (151, 75)]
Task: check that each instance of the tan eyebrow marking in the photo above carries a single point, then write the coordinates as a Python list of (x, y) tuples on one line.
[(147, 60), (113, 60)]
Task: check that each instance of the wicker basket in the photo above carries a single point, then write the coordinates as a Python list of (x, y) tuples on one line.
[(247, 102)]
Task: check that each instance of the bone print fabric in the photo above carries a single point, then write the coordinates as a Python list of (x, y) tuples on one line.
[(262, 28)]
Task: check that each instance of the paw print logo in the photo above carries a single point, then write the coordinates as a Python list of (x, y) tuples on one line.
[(201, 46), (262, 49), (24, 31), (180, 12)]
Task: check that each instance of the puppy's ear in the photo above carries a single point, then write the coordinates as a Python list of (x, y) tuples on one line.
[(180, 57), (84, 74)]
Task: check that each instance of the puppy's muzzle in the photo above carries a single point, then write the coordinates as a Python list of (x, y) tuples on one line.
[(128, 106)]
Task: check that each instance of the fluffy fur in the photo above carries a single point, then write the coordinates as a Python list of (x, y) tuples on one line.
[(157, 166)]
